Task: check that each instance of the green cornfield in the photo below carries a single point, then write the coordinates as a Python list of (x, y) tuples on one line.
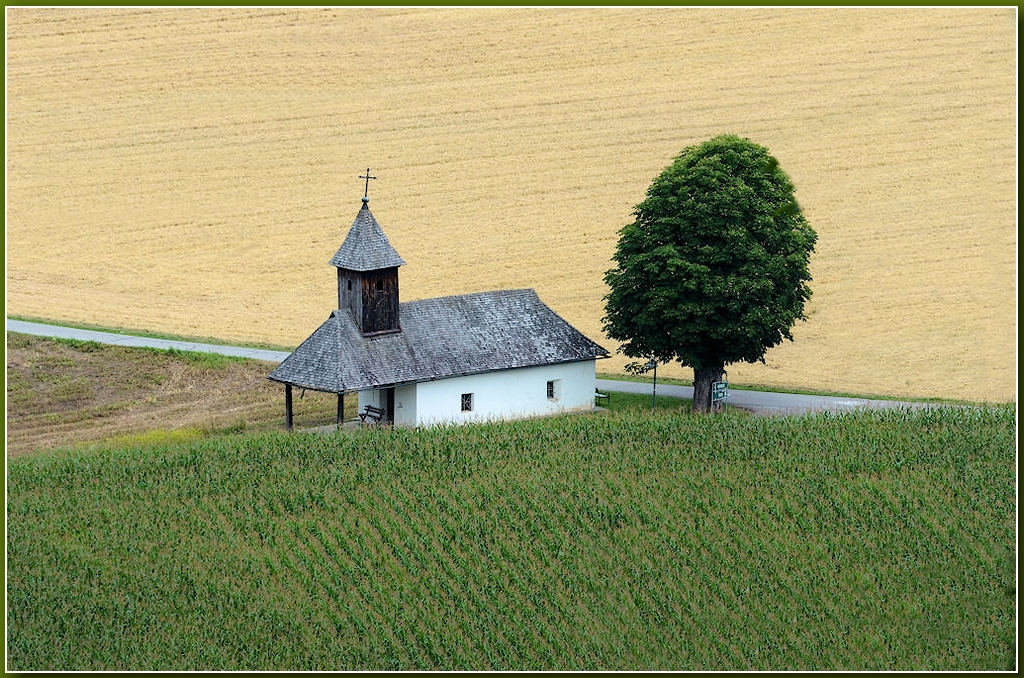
[(875, 540)]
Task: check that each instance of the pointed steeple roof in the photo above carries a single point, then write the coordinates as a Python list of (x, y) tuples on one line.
[(366, 248)]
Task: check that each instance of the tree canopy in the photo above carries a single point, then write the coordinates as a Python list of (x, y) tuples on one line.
[(714, 270)]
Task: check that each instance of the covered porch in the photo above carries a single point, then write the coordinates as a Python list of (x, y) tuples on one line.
[(349, 408)]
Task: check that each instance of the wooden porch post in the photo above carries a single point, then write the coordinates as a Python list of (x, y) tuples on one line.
[(288, 406), (341, 409)]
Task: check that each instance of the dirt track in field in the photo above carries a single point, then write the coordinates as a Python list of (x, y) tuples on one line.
[(193, 170)]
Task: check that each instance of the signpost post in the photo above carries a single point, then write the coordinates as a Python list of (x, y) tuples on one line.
[(653, 365)]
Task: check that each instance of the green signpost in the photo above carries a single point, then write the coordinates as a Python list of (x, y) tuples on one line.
[(720, 391)]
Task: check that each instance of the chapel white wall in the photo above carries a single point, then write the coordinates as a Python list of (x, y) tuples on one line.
[(508, 394), (405, 405), (372, 397)]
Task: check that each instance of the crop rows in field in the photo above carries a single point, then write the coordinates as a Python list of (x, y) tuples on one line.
[(877, 540)]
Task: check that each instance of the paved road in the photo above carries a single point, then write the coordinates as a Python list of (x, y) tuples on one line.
[(760, 401), (757, 401), (41, 330)]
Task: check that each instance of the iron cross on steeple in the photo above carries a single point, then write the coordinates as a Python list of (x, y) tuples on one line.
[(366, 190)]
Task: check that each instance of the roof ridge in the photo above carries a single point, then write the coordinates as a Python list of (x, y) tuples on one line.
[(480, 293)]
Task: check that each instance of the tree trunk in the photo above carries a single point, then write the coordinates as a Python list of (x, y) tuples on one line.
[(702, 380)]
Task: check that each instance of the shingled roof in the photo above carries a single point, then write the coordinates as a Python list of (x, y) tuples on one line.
[(440, 338), (366, 248)]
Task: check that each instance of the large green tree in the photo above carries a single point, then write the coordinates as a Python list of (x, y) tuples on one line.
[(715, 268)]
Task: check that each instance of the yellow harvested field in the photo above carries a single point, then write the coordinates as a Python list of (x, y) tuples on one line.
[(192, 170)]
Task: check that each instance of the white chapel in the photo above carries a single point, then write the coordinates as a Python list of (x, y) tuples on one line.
[(472, 357)]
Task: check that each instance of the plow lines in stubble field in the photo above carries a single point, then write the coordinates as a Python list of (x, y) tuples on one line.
[(193, 162)]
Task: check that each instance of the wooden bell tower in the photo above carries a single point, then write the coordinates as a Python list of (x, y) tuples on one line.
[(371, 297), (368, 274)]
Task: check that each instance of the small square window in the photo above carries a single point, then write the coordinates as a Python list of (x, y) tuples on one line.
[(467, 402), (554, 389)]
